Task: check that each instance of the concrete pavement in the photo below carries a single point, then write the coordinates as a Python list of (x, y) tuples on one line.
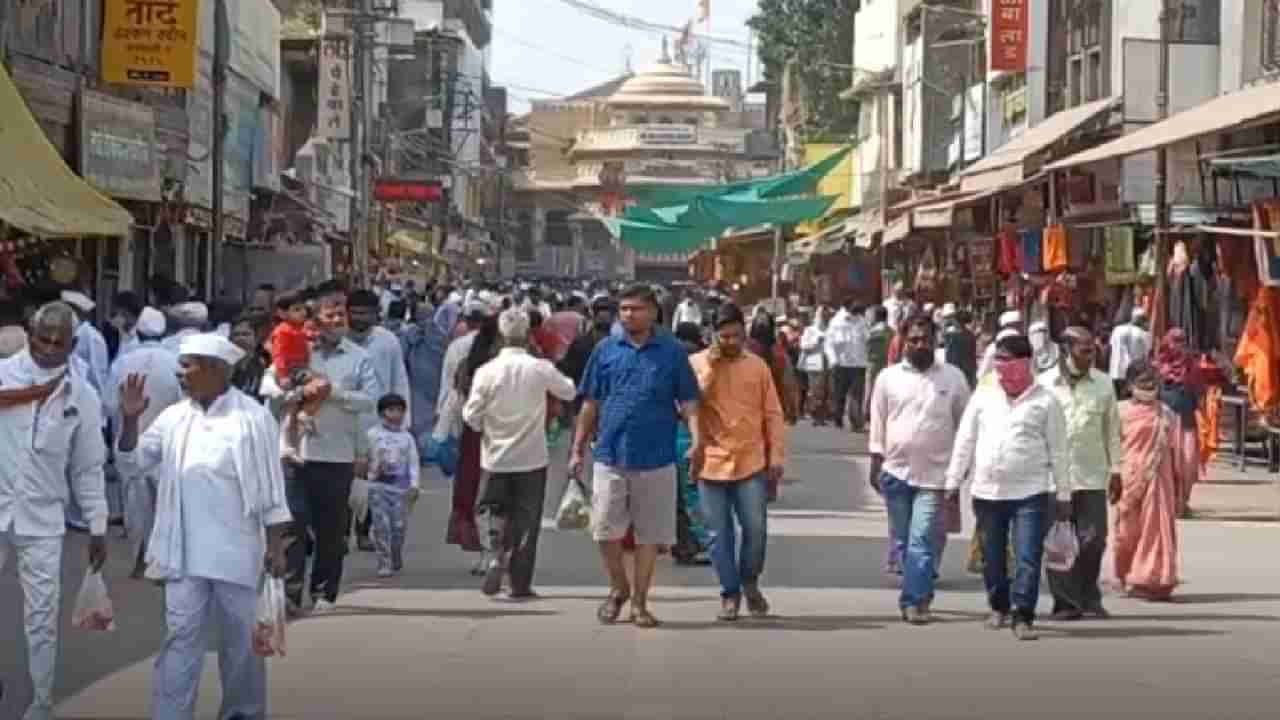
[(428, 644)]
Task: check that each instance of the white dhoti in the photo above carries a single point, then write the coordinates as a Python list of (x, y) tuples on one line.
[(139, 513), (188, 606), (40, 575)]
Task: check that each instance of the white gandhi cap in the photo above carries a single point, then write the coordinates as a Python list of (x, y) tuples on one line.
[(211, 345)]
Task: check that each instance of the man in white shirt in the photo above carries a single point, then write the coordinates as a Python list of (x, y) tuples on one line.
[(847, 354), (185, 319), (916, 406), (508, 406), (1129, 343), (1088, 400), (149, 360), (52, 447), (900, 306), (1013, 437), (90, 345), (688, 311), (816, 365), (221, 492)]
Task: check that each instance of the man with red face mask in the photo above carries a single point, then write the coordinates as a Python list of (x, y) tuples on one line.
[(1014, 437)]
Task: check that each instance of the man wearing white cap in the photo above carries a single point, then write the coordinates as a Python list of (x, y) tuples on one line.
[(220, 492), (159, 367), (900, 306), (90, 345), (52, 448), (1129, 342), (1010, 320), (185, 320)]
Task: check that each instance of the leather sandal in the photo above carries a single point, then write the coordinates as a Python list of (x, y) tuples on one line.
[(642, 618), (730, 609), (611, 609)]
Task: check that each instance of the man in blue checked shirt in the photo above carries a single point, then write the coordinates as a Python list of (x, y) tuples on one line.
[(634, 389)]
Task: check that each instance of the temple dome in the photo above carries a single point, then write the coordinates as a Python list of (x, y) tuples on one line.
[(666, 85)]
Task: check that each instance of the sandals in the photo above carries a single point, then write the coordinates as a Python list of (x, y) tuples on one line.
[(756, 604), (642, 618), (729, 609), (611, 609)]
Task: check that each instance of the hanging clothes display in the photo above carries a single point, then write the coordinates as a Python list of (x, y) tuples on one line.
[(1120, 265), (1054, 249), (1008, 251), (1031, 245), (1268, 259), (1236, 261), (1258, 354), (1080, 248), (1189, 298)]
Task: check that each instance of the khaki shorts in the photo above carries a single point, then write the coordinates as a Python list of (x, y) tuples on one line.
[(645, 499)]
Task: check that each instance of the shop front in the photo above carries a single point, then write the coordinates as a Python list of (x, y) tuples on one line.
[(52, 222)]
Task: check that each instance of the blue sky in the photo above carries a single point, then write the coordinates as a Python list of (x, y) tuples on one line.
[(547, 45)]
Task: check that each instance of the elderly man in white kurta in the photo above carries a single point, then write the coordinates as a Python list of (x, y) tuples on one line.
[(150, 359), (51, 447), (221, 509)]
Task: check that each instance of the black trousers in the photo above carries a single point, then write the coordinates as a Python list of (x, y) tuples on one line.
[(1077, 589), (318, 495), (850, 385), (518, 498)]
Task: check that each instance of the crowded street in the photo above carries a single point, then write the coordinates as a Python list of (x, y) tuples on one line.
[(428, 642)]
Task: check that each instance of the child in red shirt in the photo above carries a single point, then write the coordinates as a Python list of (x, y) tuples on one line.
[(290, 357)]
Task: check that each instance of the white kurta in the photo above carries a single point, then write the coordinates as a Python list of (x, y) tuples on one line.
[(387, 356), (92, 348), (449, 406)]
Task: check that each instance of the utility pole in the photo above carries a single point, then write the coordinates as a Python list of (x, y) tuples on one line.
[(1160, 312), (221, 56)]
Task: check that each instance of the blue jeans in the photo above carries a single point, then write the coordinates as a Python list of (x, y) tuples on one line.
[(915, 515), (721, 503), (1029, 518)]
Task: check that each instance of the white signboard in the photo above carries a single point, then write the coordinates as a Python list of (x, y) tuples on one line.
[(334, 102), (669, 135)]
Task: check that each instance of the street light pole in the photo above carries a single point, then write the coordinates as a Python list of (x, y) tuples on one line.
[(221, 56), (1160, 312)]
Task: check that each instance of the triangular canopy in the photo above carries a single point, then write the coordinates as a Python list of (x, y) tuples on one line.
[(796, 182)]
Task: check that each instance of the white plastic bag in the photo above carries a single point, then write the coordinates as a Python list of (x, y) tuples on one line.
[(575, 510), (268, 629), (359, 498), (1061, 547), (93, 605)]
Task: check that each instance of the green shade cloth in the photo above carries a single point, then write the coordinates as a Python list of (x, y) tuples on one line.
[(796, 182), (658, 239)]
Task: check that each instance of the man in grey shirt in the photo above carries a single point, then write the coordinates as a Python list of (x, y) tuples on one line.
[(319, 488)]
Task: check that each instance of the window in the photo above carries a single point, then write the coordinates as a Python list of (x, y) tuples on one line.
[(1076, 82), (1094, 82)]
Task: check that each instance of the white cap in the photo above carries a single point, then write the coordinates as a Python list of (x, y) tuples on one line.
[(1038, 326), (1012, 317), (928, 308), (513, 324), (196, 313), (210, 345), (1139, 313), (151, 322), (12, 340), (1007, 333), (455, 297), (949, 310), (78, 300)]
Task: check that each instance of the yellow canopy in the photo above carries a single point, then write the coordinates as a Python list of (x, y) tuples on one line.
[(38, 192)]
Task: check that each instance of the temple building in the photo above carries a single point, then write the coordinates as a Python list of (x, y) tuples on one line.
[(657, 126)]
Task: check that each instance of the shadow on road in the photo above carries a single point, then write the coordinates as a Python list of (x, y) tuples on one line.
[(1058, 632), (1214, 598), (806, 623), (367, 611)]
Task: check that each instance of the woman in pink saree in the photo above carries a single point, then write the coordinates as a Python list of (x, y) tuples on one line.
[(1145, 534)]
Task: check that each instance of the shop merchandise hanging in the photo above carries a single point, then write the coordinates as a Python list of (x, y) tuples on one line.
[(1054, 249), (1032, 240), (1120, 266)]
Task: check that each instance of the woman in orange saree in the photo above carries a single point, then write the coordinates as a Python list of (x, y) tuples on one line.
[(1145, 534)]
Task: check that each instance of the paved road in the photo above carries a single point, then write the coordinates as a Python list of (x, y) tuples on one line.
[(429, 645)]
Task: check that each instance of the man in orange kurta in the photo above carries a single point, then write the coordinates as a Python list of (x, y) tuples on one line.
[(743, 431)]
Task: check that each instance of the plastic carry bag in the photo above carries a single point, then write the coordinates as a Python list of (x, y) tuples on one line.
[(1061, 547), (93, 605), (268, 628), (358, 501), (575, 509), (443, 453)]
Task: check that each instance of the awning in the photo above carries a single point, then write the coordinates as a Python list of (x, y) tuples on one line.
[(828, 241), (898, 229), (1220, 113), (942, 215), (1007, 165), (1263, 166), (410, 241), (38, 192), (865, 227)]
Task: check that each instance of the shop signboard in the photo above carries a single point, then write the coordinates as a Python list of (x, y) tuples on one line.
[(149, 42), (255, 40), (1009, 36), (118, 150), (242, 127), (198, 190), (334, 106), (267, 142)]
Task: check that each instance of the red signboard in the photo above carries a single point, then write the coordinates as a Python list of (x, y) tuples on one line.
[(421, 191), (1009, 35)]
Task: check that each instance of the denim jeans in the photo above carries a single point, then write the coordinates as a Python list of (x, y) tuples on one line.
[(915, 515), (1029, 518), (745, 500)]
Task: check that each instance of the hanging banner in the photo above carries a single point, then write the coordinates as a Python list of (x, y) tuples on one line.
[(1009, 35), (149, 42), (334, 102)]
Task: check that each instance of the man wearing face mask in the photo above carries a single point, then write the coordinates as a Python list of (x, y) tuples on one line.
[(53, 449), (916, 406), (1095, 459), (1013, 438), (126, 309)]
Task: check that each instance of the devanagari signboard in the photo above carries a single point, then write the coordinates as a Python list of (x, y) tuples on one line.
[(149, 42)]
